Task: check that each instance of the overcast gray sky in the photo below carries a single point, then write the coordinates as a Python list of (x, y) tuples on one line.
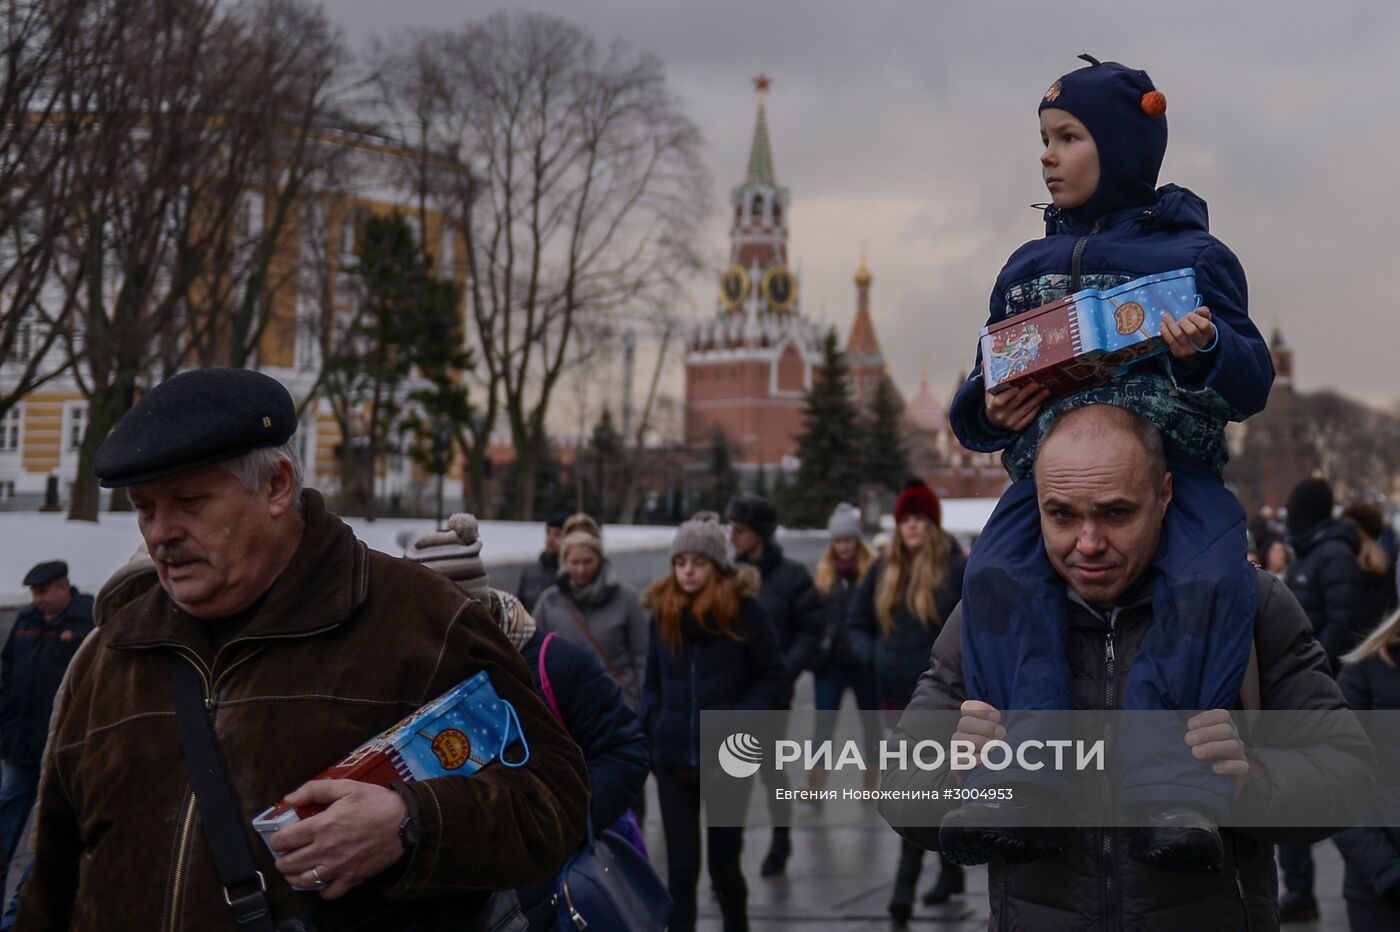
[(911, 126)]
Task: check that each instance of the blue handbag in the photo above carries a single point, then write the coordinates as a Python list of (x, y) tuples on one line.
[(608, 887)]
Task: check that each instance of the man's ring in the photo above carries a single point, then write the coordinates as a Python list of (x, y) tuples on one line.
[(316, 880)]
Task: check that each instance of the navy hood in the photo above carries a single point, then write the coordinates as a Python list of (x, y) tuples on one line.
[(1126, 114)]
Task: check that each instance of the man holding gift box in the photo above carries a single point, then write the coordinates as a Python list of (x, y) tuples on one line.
[(306, 643)]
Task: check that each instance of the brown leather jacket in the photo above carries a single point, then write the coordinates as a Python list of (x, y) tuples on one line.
[(348, 641)]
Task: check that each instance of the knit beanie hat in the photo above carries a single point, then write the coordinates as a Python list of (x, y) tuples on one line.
[(844, 522), (703, 534), (580, 522), (456, 554), (918, 499), (580, 530), (1127, 116), (754, 512), (514, 621), (1309, 504)]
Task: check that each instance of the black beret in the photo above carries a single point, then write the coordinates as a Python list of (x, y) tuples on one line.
[(197, 418), (754, 512), (44, 573)]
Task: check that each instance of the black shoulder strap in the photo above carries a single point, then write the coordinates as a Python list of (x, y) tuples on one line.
[(219, 809)]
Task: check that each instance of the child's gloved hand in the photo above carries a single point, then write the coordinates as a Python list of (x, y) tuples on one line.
[(1192, 335), (1014, 410)]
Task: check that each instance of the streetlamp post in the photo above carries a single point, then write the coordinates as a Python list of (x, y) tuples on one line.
[(442, 439)]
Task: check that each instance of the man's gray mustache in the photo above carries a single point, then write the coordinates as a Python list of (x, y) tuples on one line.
[(177, 553)]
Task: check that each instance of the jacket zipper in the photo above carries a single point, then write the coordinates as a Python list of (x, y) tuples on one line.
[(187, 823), (1076, 263), (1110, 700), (1239, 882), (695, 716), (1002, 897), (182, 850)]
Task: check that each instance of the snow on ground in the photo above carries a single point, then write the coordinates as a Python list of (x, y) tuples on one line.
[(95, 551)]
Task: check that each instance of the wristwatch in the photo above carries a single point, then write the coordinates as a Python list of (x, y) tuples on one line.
[(408, 832)]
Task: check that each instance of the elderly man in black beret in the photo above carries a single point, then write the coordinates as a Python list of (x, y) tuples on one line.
[(306, 643), (44, 639)]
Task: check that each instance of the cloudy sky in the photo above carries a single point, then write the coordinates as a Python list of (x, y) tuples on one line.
[(911, 126)]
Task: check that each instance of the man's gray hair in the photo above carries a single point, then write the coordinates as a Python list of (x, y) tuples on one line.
[(255, 467), (1098, 417)]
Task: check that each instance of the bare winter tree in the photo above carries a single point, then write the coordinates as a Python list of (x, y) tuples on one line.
[(183, 110), (42, 76), (578, 188)]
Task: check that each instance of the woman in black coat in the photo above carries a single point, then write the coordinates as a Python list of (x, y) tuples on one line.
[(712, 647), (895, 617), (1370, 680), (840, 571)]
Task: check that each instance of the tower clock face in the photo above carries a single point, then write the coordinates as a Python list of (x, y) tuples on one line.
[(779, 288), (734, 287)]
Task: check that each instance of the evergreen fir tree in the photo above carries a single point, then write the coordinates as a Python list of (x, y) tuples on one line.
[(724, 480), (760, 483), (886, 457), (829, 448)]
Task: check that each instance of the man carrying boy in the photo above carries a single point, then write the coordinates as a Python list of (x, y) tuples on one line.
[(1103, 492), (1105, 134)]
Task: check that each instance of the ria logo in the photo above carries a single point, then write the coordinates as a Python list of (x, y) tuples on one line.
[(740, 755)]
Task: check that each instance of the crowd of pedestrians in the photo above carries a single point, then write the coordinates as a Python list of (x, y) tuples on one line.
[(615, 682)]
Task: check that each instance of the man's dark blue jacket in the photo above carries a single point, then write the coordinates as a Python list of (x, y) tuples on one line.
[(794, 606), (31, 667)]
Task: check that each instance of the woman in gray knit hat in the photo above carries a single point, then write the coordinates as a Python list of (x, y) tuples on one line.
[(712, 647), (588, 603), (585, 699), (837, 668)]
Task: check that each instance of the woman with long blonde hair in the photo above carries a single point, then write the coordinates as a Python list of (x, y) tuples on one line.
[(897, 613), (712, 647), (1370, 680)]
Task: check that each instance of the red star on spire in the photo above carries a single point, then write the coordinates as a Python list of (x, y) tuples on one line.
[(762, 82)]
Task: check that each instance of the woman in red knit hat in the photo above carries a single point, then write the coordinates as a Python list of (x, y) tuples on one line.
[(895, 616)]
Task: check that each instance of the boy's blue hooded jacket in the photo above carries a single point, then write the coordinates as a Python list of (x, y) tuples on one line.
[(1171, 233)]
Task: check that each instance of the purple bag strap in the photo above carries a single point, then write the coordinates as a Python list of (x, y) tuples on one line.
[(545, 686)]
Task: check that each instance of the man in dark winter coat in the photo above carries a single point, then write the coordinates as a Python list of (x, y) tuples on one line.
[(44, 639), (788, 594), (299, 642), (536, 577), (1324, 575), (795, 607), (1100, 498)]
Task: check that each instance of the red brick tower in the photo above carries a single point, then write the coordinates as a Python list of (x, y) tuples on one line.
[(748, 366)]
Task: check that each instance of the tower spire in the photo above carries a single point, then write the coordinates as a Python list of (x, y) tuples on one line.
[(761, 152)]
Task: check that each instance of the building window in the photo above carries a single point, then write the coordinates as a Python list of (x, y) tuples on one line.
[(77, 424), (445, 248), (25, 347), (7, 489), (308, 340), (9, 430), (249, 223)]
